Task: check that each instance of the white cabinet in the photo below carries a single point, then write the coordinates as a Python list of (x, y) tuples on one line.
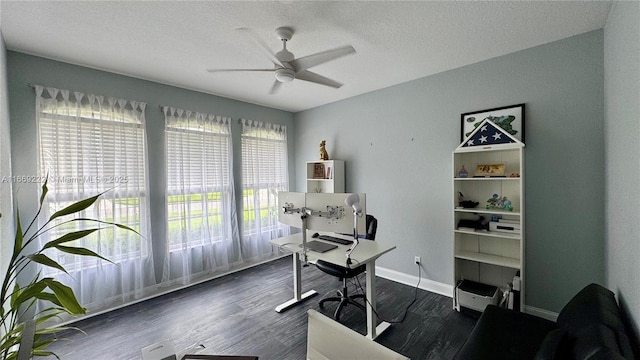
[(325, 176), (485, 251)]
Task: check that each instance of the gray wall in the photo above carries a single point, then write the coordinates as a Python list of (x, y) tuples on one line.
[(622, 130), (26, 69), (6, 209), (397, 143)]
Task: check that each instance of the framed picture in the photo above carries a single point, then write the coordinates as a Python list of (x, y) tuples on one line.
[(490, 170), (510, 118)]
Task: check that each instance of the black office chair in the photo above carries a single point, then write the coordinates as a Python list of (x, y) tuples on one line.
[(347, 273)]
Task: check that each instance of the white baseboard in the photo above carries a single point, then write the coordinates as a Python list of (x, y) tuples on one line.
[(412, 280), (545, 314), (447, 290)]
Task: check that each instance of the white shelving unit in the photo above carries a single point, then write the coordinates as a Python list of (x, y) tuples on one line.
[(489, 257), (329, 180)]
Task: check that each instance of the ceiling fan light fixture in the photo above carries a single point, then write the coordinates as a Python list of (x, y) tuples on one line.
[(285, 75)]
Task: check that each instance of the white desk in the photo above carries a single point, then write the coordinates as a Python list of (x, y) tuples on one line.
[(365, 253)]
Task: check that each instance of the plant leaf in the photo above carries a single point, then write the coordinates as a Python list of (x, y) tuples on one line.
[(28, 292), (75, 207), (15, 294), (41, 319), (52, 330), (41, 345), (45, 190), (8, 343), (45, 260), (66, 297), (50, 298), (42, 353), (75, 235), (81, 251), (17, 244), (124, 227)]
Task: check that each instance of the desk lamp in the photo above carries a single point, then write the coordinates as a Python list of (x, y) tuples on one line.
[(353, 200)]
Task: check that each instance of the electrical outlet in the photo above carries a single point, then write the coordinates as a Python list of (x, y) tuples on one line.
[(417, 260)]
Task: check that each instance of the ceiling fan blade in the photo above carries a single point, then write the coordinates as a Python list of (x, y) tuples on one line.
[(309, 61), (265, 48), (275, 87), (235, 70), (318, 79)]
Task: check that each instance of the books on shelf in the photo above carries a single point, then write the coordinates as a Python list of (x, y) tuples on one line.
[(318, 171)]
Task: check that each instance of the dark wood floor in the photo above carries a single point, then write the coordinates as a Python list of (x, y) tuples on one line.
[(235, 315)]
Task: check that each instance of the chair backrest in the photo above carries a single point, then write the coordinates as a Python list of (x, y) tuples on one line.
[(372, 227), (328, 339)]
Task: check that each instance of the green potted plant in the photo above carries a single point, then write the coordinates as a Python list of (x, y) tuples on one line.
[(19, 299)]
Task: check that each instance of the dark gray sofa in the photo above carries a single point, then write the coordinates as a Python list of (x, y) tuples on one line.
[(589, 327)]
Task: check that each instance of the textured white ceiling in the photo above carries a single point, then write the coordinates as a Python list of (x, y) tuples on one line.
[(174, 42)]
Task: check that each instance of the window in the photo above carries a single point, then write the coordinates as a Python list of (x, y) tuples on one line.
[(199, 179), (264, 173), (90, 144)]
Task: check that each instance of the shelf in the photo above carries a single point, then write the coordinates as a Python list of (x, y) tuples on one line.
[(488, 148), (488, 259), (487, 179), (495, 234), (333, 184), (486, 211)]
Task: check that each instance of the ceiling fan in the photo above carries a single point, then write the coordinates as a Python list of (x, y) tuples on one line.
[(287, 67)]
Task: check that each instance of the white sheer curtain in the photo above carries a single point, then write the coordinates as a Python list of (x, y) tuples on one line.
[(264, 173), (202, 225), (89, 144)]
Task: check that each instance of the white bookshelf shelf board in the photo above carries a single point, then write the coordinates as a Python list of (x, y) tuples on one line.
[(487, 211), (502, 235), (488, 259), (487, 179)]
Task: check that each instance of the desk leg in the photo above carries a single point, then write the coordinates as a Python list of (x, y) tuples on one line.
[(297, 286), (372, 330)]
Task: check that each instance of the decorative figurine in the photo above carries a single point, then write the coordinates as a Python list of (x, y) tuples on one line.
[(324, 155), (498, 203), (463, 173), (467, 204)]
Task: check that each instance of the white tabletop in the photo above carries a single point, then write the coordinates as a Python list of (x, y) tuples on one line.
[(366, 251)]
